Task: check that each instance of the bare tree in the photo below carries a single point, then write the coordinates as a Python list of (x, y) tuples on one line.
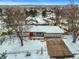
[(73, 20), (20, 17), (57, 14), (15, 19)]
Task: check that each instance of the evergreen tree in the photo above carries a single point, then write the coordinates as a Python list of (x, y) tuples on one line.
[(31, 12), (0, 10), (44, 13), (27, 13), (35, 13)]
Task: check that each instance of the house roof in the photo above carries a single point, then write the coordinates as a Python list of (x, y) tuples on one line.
[(39, 19), (46, 29)]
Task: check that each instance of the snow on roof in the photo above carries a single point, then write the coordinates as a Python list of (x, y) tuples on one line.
[(46, 29), (37, 18), (73, 47)]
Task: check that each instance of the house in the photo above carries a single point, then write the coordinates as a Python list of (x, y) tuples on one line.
[(53, 37), (46, 31)]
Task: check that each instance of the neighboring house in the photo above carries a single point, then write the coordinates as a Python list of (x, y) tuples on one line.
[(35, 20)]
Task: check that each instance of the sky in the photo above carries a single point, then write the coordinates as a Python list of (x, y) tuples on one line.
[(37, 2)]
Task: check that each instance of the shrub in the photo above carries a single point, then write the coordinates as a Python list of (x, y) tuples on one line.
[(4, 33)]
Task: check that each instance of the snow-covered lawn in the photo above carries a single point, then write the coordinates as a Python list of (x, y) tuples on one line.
[(34, 47), (16, 51)]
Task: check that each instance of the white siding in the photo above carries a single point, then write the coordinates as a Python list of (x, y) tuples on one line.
[(52, 35)]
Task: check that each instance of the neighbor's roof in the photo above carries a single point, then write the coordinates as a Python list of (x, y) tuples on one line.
[(37, 18), (46, 29)]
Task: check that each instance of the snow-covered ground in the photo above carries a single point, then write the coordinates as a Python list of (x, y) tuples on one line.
[(34, 47), (16, 51)]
